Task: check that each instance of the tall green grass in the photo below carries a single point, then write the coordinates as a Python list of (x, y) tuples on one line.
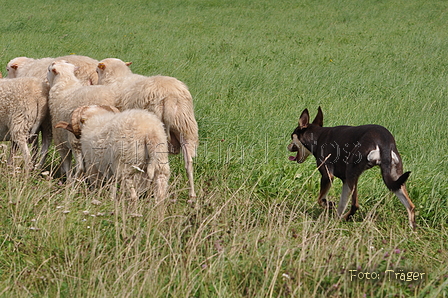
[(252, 67)]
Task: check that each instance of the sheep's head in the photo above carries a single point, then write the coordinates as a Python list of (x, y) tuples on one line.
[(13, 66), (111, 68), (82, 114), (57, 67)]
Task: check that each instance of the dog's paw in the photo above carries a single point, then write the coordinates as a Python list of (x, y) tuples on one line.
[(328, 204), (347, 217)]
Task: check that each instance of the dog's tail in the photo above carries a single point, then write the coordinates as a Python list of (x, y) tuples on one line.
[(391, 166), (395, 185)]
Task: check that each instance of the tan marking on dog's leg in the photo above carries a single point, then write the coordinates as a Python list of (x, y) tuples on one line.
[(355, 206), (346, 191), (403, 195)]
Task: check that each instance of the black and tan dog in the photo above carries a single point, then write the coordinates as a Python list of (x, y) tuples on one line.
[(347, 151)]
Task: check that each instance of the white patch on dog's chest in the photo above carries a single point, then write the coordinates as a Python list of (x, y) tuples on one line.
[(375, 157)]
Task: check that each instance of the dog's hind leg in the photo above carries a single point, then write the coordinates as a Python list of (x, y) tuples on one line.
[(346, 191), (403, 195), (349, 188)]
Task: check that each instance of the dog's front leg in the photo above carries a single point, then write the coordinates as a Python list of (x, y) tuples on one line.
[(325, 184), (403, 195)]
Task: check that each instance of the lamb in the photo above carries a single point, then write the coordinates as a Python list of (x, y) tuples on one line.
[(29, 67), (23, 111), (66, 94), (129, 147), (167, 97)]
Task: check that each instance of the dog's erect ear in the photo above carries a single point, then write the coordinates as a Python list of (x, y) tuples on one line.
[(319, 120), (304, 119)]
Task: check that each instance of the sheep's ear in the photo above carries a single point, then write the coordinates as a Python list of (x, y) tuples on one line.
[(128, 63), (65, 125), (101, 66), (53, 70), (108, 108), (14, 66)]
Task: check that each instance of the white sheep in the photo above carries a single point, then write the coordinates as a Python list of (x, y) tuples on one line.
[(128, 147), (29, 67), (66, 94), (23, 112), (166, 97)]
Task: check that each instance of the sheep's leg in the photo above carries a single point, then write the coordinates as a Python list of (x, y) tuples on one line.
[(45, 129), (161, 188), (188, 153), (161, 177), (12, 152), (160, 194), (134, 196), (113, 191), (34, 141), (26, 154), (128, 185), (173, 143), (77, 153), (66, 161), (79, 164), (158, 172), (20, 141)]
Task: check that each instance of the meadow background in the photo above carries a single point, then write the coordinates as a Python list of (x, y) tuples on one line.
[(252, 67)]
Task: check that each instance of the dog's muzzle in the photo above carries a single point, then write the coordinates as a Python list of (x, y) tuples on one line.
[(297, 146)]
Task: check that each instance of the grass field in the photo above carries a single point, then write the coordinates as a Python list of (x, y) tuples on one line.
[(252, 67)]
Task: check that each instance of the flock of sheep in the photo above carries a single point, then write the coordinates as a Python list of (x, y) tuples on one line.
[(119, 126)]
